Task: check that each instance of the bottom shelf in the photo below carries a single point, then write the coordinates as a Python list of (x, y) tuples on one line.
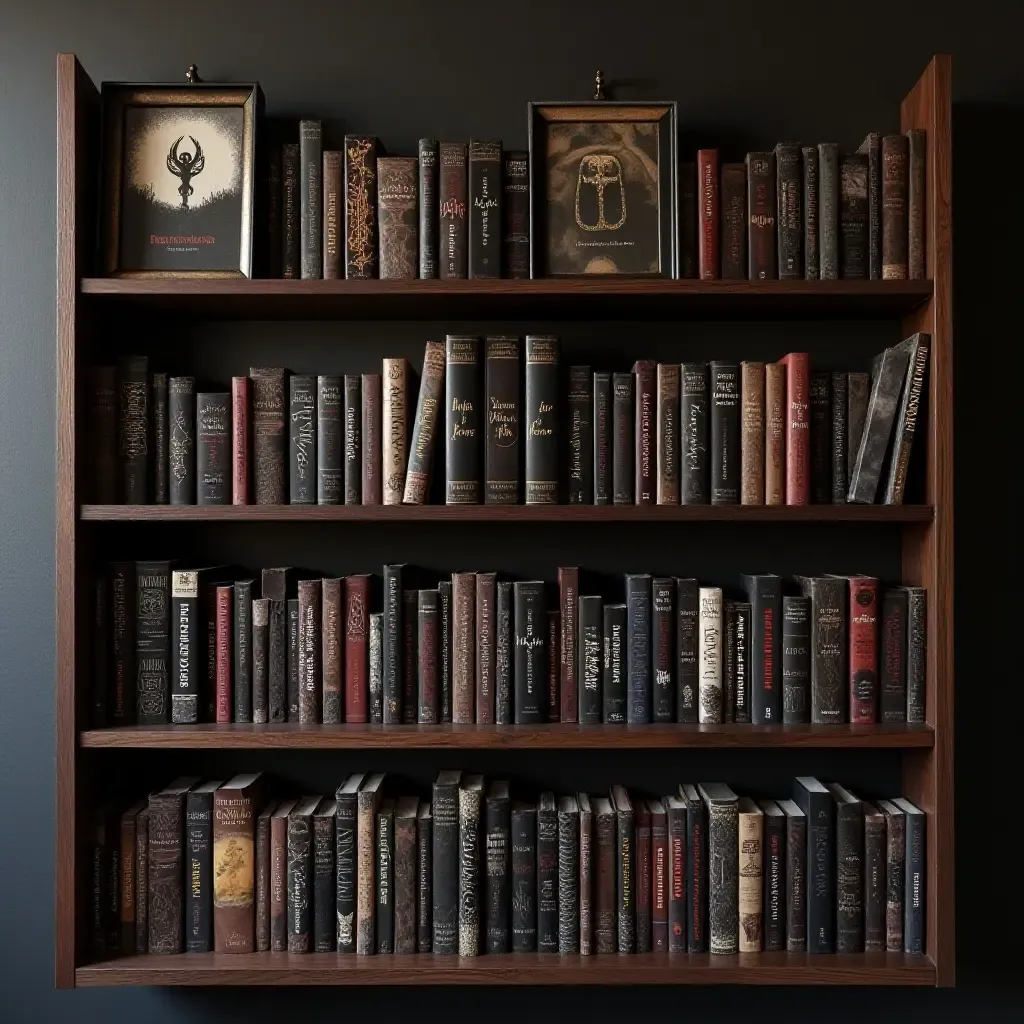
[(513, 969)]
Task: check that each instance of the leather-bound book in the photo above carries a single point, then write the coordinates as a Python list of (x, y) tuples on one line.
[(445, 858), (849, 818), (497, 884), (371, 490), (645, 376), (547, 874), (613, 680), (604, 876), (406, 809), (796, 660), (568, 875), (463, 648), (453, 190), (711, 633), (568, 606), (330, 439), (188, 642), (352, 438), (675, 884), (213, 454), (279, 892), (816, 802), (663, 654), (658, 876), (530, 625), (906, 421), (871, 148), (368, 802), (725, 433), (697, 905), (893, 674), (345, 862), (486, 584), (853, 216), (292, 678), (916, 219), (235, 807), (201, 861), (324, 884), (829, 643), (424, 878), (752, 432), (623, 451), (332, 639), (809, 164), (160, 440), (152, 642), (240, 441), (708, 214), (462, 432), (127, 882), (310, 652), (638, 650), (668, 434), (874, 879), (310, 199), (360, 206), (917, 625), (863, 648), (262, 897), (828, 210), (740, 624), (693, 425), (290, 190), (103, 404), (485, 213), (268, 434), (821, 439), (914, 879), (625, 869), (501, 420), (798, 447), (688, 258), (602, 420), (796, 876), (504, 653), (424, 427), (225, 629), (837, 453), (687, 615), (516, 232), (789, 194), (278, 586), (750, 869), (302, 440), (260, 642), (588, 661), (393, 644), (541, 420), (775, 416), (764, 592), (586, 874), (524, 877), (384, 849), (722, 846), (133, 429), (761, 219), (334, 213), (773, 873), (427, 613), (554, 668), (734, 221), (444, 686), (895, 873), (165, 871), (428, 209), (580, 475), (397, 199), (395, 429)]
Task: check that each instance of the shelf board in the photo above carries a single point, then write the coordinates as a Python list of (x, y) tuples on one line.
[(512, 513), (513, 969), (556, 735), (550, 298)]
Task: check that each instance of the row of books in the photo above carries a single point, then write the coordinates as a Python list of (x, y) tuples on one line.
[(666, 433), (473, 870), (216, 645)]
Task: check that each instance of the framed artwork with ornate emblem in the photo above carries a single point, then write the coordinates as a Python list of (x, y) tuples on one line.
[(178, 179), (603, 189)]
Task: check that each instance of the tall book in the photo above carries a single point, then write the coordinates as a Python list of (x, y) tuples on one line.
[(165, 869), (893, 661), (152, 642), (863, 648), (659, 876), (725, 432), (773, 871), (360, 206), (829, 647), (372, 484), (497, 880), (524, 877), (828, 210), (734, 221), (568, 875), (871, 148), (821, 439), (424, 428), (638, 650), (133, 417), (445, 860), (310, 652), (292, 679), (568, 605), (462, 433), (853, 215), (504, 654), (244, 593), (201, 857), (796, 660), (471, 792), (224, 654), (352, 446), (711, 635), (765, 595), (625, 869), (485, 213), (541, 420), (874, 879), (310, 199), (663, 654), (613, 679), (384, 871), (675, 815), (721, 809), (810, 211), (708, 213), (128, 887), (858, 389), (279, 876), (368, 801), (428, 209), (580, 475), (895, 873), (906, 421), (916, 219), (798, 445), (331, 659), (278, 585), (235, 806), (302, 439), (346, 863), (796, 876), (397, 217), (688, 246), (406, 880), (623, 453), (602, 420), (761, 214), (424, 878), (817, 805), (334, 213), (750, 868), (789, 202), (517, 214), (290, 189), (696, 932), (840, 432), (693, 425), (502, 413), (445, 621), (325, 909), (547, 874), (268, 434), (395, 430), (554, 648), (393, 640), (330, 440), (463, 647), (895, 159), (427, 613), (752, 432), (644, 375), (668, 434), (604, 914), (530, 624), (588, 660), (160, 439), (453, 230), (849, 818)]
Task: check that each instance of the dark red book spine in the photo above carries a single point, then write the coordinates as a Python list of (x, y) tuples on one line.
[(643, 877), (568, 604), (708, 212), (798, 428), (225, 652), (863, 649), (660, 880), (554, 659), (357, 622), (240, 440)]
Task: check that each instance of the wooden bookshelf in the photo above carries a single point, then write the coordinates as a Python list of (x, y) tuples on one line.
[(919, 535)]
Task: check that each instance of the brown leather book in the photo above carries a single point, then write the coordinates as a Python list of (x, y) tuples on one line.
[(798, 443), (360, 206), (405, 874), (372, 489), (279, 876), (568, 604), (310, 653), (463, 647), (752, 436), (734, 221), (240, 440), (263, 878), (668, 433), (166, 866), (708, 213), (761, 216), (895, 236), (454, 224), (395, 429), (334, 213), (789, 219), (486, 649), (554, 645), (128, 901), (424, 429), (367, 801), (775, 434), (268, 434), (916, 177), (356, 611), (331, 632), (235, 807), (397, 202)]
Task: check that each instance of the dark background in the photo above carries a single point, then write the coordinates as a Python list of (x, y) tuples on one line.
[(745, 75)]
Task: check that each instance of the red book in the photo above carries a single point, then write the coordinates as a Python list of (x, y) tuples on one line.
[(568, 605), (798, 428), (554, 667), (357, 623), (643, 876), (708, 212), (240, 440), (863, 649), (225, 602), (659, 871)]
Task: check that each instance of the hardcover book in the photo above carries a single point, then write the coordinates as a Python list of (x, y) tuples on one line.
[(874, 879), (790, 220), (445, 859), (761, 212), (734, 221), (853, 216), (279, 891), (623, 452), (810, 211), (517, 214), (428, 209), (708, 213), (502, 412), (840, 409), (687, 650), (693, 425), (752, 433), (829, 642), (133, 428), (290, 189), (644, 375), (406, 880), (828, 210), (160, 428), (568, 875), (765, 595), (797, 446), (504, 654), (310, 199), (395, 430), (497, 882), (352, 439), (425, 877), (725, 433), (895, 873), (602, 420), (638, 650), (300, 875), (462, 435), (916, 185), (589, 660), (424, 429), (152, 642), (302, 439), (524, 877), (849, 818), (796, 660), (427, 614), (581, 438), (368, 802), (334, 213), (181, 441), (324, 884), (613, 681), (372, 427), (871, 148), (604, 872), (568, 604), (668, 434), (268, 434), (541, 420), (895, 159), (201, 859), (330, 438), (398, 222), (165, 871), (485, 214), (688, 247), (384, 869), (817, 805), (709, 652), (773, 859), (235, 806), (453, 189), (906, 421), (332, 640), (821, 439), (345, 863), (360, 206), (721, 808), (625, 866), (796, 876), (486, 587), (749, 874), (547, 874), (310, 652), (530, 657)]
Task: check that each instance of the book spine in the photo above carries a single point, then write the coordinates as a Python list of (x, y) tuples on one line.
[(663, 654), (905, 426), (133, 429), (424, 881), (796, 660), (334, 217), (625, 876), (424, 429), (828, 650), (444, 600), (310, 653), (761, 205), (292, 678), (530, 623), (668, 434), (688, 249), (240, 440), (581, 437), (277, 661), (300, 883), (659, 883), (141, 938), (605, 904), (302, 440), (765, 594), (914, 884), (262, 883), (893, 682), (644, 373), (588, 658), (858, 386), (165, 874), (821, 439), (463, 648), (853, 216), (723, 879), (367, 882), (586, 879), (895, 877), (568, 882), (524, 880), (345, 867), (517, 214), (310, 199), (775, 414), (181, 440), (395, 430), (372, 481), (268, 435), (638, 650), (406, 883), (542, 421), (916, 178), (872, 148), (397, 217), (331, 657), (849, 879), (486, 584), (375, 674), (711, 662), (874, 882), (789, 213), (103, 440), (330, 438), (427, 640), (185, 647), (828, 210), (693, 421), (200, 901), (384, 910), (749, 889), (602, 419), (917, 625), (676, 824), (485, 213), (687, 677), (324, 889), (152, 642), (734, 221), (290, 190), (623, 452), (810, 211), (568, 605), (553, 711), (428, 208), (497, 884), (160, 440), (393, 640), (796, 883), (774, 899), (547, 879), (503, 654), (260, 641), (742, 663), (445, 858), (725, 433), (752, 433), (453, 227), (501, 451), (839, 437), (895, 154), (613, 683), (279, 884), (352, 441), (213, 455), (360, 206), (708, 213), (820, 874), (863, 650), (462, 433), (798, 384), (224, 654)]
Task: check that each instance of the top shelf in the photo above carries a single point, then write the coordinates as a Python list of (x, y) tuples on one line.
[(549, 298)]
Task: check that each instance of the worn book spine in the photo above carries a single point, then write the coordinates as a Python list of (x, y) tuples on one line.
[(893, 667), (761, 217), (817, 805), (453, 226), (406, 880), (916, 221), (697, 878), (360, 206), (568, 877), (750, 871), (580, 440), (485, 209), (742, 635), (260, 640), (497, 885), (428, 209), (530, 656), (668, 437), (126, 883), (202, 856), (642, 873), (871, 148), (798, 443), (789, 213), (516, 231), (462, 427), (134, 440), (501, 428), (395, 427), (693, 425), (292, 678), (849, 877), (752, 433), (542, 420), (874, 880), (427, 613), (829, 641), (863, 647), (262, 881), (345, 869), (586, 875), (688, 246), (821, 439), (853, 216), (213, 452), (504, 654), (187, 670), (568, 606), (663, 653), (310, 199), (734, 221), (290, 189), (917, 625), (604, 889), (279, 879), (524, 878), (687, 619), (725, 433), (796, 660), (393, 650), (840, 403), (775, 417), (152, 642), (554, 646), (708, 214), (375, 672), (711, 635), (613, 681), (224, 655), (142, 881), (367, 803), (828, 210), (858, 386), (268, 434), (895, 859), (351, 446), (424, 428), (302, 440), (310, 652), (324, 883), (240, 441), (331, 438), (906, 423), (165, 872), (424, 878), (397, 219), (486, 585), (547, 874), (796, 879), (644, 375), (463, 647), (623, 452), (445, 859), (371, 489), (675, 809), (233, 872), (810, 211), (588, 660), (773, 858), (160, 440), (275, 589), (103, 440), (331, 650), (334, 216), (384, 848), (638, 649), (914, 885), (723, 846), (893, 207), (444, 600), (602, 420), (181, 440)]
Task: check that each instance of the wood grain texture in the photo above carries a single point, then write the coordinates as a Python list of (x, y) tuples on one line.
[(928, 550), (514, 969), (509, 737)]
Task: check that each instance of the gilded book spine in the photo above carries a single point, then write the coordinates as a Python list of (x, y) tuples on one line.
[(734, 221), (502, 412), (428, 208), (234, 868), (290, 190), (352, 447), (810, 211), (530, 655), (181, 440), (302, 439), (453, 189), (462, 428), (360, 206), (485, 199), (470, 797), (752, 433), (310, 654), (761, 205), (310, 199), (268, 434), (424, 431), (542, 420), (330, 439), (644, 374), (397, 188), (668, 434), (775, 434), (790, 221), (394, 429), (160, 426), (334, 218), (371, 490), (581, 437), (331, 657)]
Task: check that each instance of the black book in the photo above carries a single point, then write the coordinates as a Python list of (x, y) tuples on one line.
[(623, 448), (872, 148), (581, 437), (501, 408), (325, 888), (796, 660), (410, 656), (302, 439), (568, 875), (687, 609), (741, 624), (693, 428), (161, 492), (353, 438), (346, 862), (375, 679), (330, 440), (874, 879), (915, 879), (133, 429), (810, 211), (602, 441), (675, 812), (452, 195), (853, 215), (722, 850), (292, 646), (696, 870), (393, 650), (504, 654), (625, 869), (384, 870), (789, 219), (485, 209), (424, 878), (470, 800), (444, 682), (445, 859), (663, 653), (849, 816), (426, 653), (498, 881), (588, 661), (613, 683), (638, 650), (310, 199), (541, 420), (840, 402), (290, 188), (764, 592), (547, 874), (517, 214), (300, 874), (816, 803), (604, 896), (773, 875), (524, 878), (152, 642), (278, 584), (531, 656), (181, 440), (906, 421), (821, 438), (428, 208), (796, 876), (829, 642), (199, 868), (213, 448), (462, 434), (893, 661), (245, 591), (917, 643), (725, 433), (188, 649)]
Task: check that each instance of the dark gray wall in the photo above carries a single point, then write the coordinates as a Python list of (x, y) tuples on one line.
[(745, 73)]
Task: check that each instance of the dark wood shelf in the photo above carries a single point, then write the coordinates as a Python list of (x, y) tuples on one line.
[(511, 737), (511, 513), (513, 969), (585, 297)]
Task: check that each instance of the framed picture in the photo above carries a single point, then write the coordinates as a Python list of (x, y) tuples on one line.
[(179, 179), (603, 189)]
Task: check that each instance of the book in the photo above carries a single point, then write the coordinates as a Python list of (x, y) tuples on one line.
[(485, 209), (330, 438), (310, 199), (530, 623), (224, 654), (268, 434), (761, 213), (568, 875), (102, 433), (152, 592), (181, 440), (871, 148), (829, 647), (406, 880), (300, 875), (849, 825), (160, 445), (541, 420), (858, 388), (165, 869), (798, 445), (497, 882), (817, 805), (568, 605), (352, 445), (142, 881), (623, 452), (397, 217), (906, 421), (279, 891), (292, 677), (688, 247), (663, 654), (917, 625), (332, 640), (325, 912), (725, 433), (602, 420), (360, 206), (734, 221), (453, 229), (828, 210), (739, 681), (290, 189), (809, 165), (127, 883), (895, 873), (853, 215), (580, 475), (721, 809), (895, 158), (501, 429), (796, 660), (893, 662), (789, 178), (765, 595), (863, 649), (486, 587), (644, 376), (773, 870), (638, 649), (709, 653), (708, 213), (235, 806), (445, 860), (517, 214), (346, 863), (554, 648), (463, 647), (840, 409), (444, 600), (372, 482), (874, 879), (244, 592), (668, 434), (752, 433), (427, 613), (302, 439), (240, 441), (796, 876), (687, 620), (424, 878), (613, 679), (675, 824), (188, 650), (775, 420), (334, 213), (384, 870), (821, 439), (394, 429), (696, 869), (547, 874), (424, 428), (659, 876), (589, 653), (625, 865), (393, 641), (917, 144), (368, 801), (134, 454), (462, 434), (693, 422), (524, 877), (749, 873), (202, 857), (427, 236), (310, 652), (604, 914)]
